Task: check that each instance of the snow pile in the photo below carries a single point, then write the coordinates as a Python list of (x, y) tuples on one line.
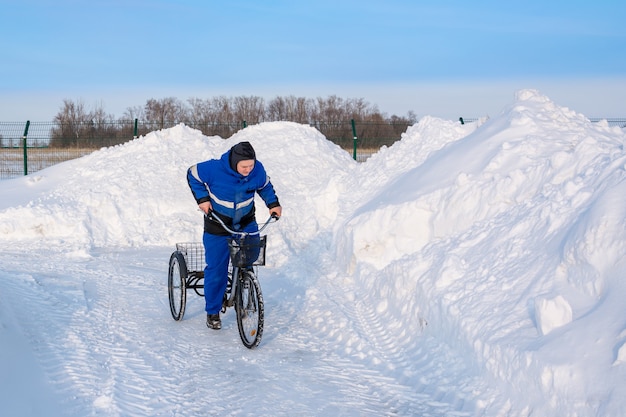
[(513, 232), (492, 251), (551, 314)]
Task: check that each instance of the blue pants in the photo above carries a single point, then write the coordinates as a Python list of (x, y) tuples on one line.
[(216, 255)]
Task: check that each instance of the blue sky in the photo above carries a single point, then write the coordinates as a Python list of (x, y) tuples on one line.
[(444, 58)]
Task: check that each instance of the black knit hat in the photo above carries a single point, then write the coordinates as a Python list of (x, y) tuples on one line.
[(241, 152)]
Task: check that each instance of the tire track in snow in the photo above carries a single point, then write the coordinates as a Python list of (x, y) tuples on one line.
[(155, 373), (210, 373), (109, 341), (45, 331), (400, 371), (127, 361), (98, 354)]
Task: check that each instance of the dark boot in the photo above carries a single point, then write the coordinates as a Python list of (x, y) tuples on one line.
[(213, 321)]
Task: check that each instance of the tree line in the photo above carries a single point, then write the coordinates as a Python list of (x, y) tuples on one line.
[(75, 125)]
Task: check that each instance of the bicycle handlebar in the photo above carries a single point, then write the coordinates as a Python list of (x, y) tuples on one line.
[(272, 219)]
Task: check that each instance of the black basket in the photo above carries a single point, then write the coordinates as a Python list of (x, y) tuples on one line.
[(194, 255), (249, 251)]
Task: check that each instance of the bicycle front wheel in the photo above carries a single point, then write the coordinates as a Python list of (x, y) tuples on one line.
[(249, 308)]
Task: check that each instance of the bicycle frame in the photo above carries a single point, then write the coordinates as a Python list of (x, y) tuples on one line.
[(236, 271)]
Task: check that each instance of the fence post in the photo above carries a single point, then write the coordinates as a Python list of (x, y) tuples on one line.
[(25, 147), (354, 139), (244, 124), (135, 130)]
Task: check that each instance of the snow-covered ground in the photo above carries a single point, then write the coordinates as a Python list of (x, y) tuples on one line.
[(467, 270)]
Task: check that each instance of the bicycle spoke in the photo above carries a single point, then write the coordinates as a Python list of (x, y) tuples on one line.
[(250, 311)]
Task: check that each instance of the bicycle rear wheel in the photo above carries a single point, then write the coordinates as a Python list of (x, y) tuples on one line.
[(250, 310), (177, 285)]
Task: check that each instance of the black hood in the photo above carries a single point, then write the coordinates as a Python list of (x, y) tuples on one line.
[(240, 152)]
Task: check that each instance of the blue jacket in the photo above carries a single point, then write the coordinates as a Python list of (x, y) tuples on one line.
[(230, 193)]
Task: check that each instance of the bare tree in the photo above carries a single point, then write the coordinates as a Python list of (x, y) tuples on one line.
[(132, 113), (359, 109), (330, 109), (291, 108), (277, 109), (165, 112), (70, 122), (200, 112), (215, 116), (332, 119), (250, 109), (102, 128), (223, 116), (300, 109), (75, 126), (204, 115)]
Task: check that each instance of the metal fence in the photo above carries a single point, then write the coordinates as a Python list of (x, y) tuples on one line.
[(29, 147)]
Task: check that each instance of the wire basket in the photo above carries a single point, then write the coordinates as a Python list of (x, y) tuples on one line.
[(194, 255), (248, 251)]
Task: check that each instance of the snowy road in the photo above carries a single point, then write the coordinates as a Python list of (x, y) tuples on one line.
[(106, 341)]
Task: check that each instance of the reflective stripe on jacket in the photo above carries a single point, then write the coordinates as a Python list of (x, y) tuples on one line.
[(230, 193)]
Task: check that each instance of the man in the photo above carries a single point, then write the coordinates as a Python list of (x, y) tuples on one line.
[(226, 188)]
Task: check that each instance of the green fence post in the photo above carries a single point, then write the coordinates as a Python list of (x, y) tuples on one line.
[(135, 130), (25, 147), (354, 139), (244, 124)]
